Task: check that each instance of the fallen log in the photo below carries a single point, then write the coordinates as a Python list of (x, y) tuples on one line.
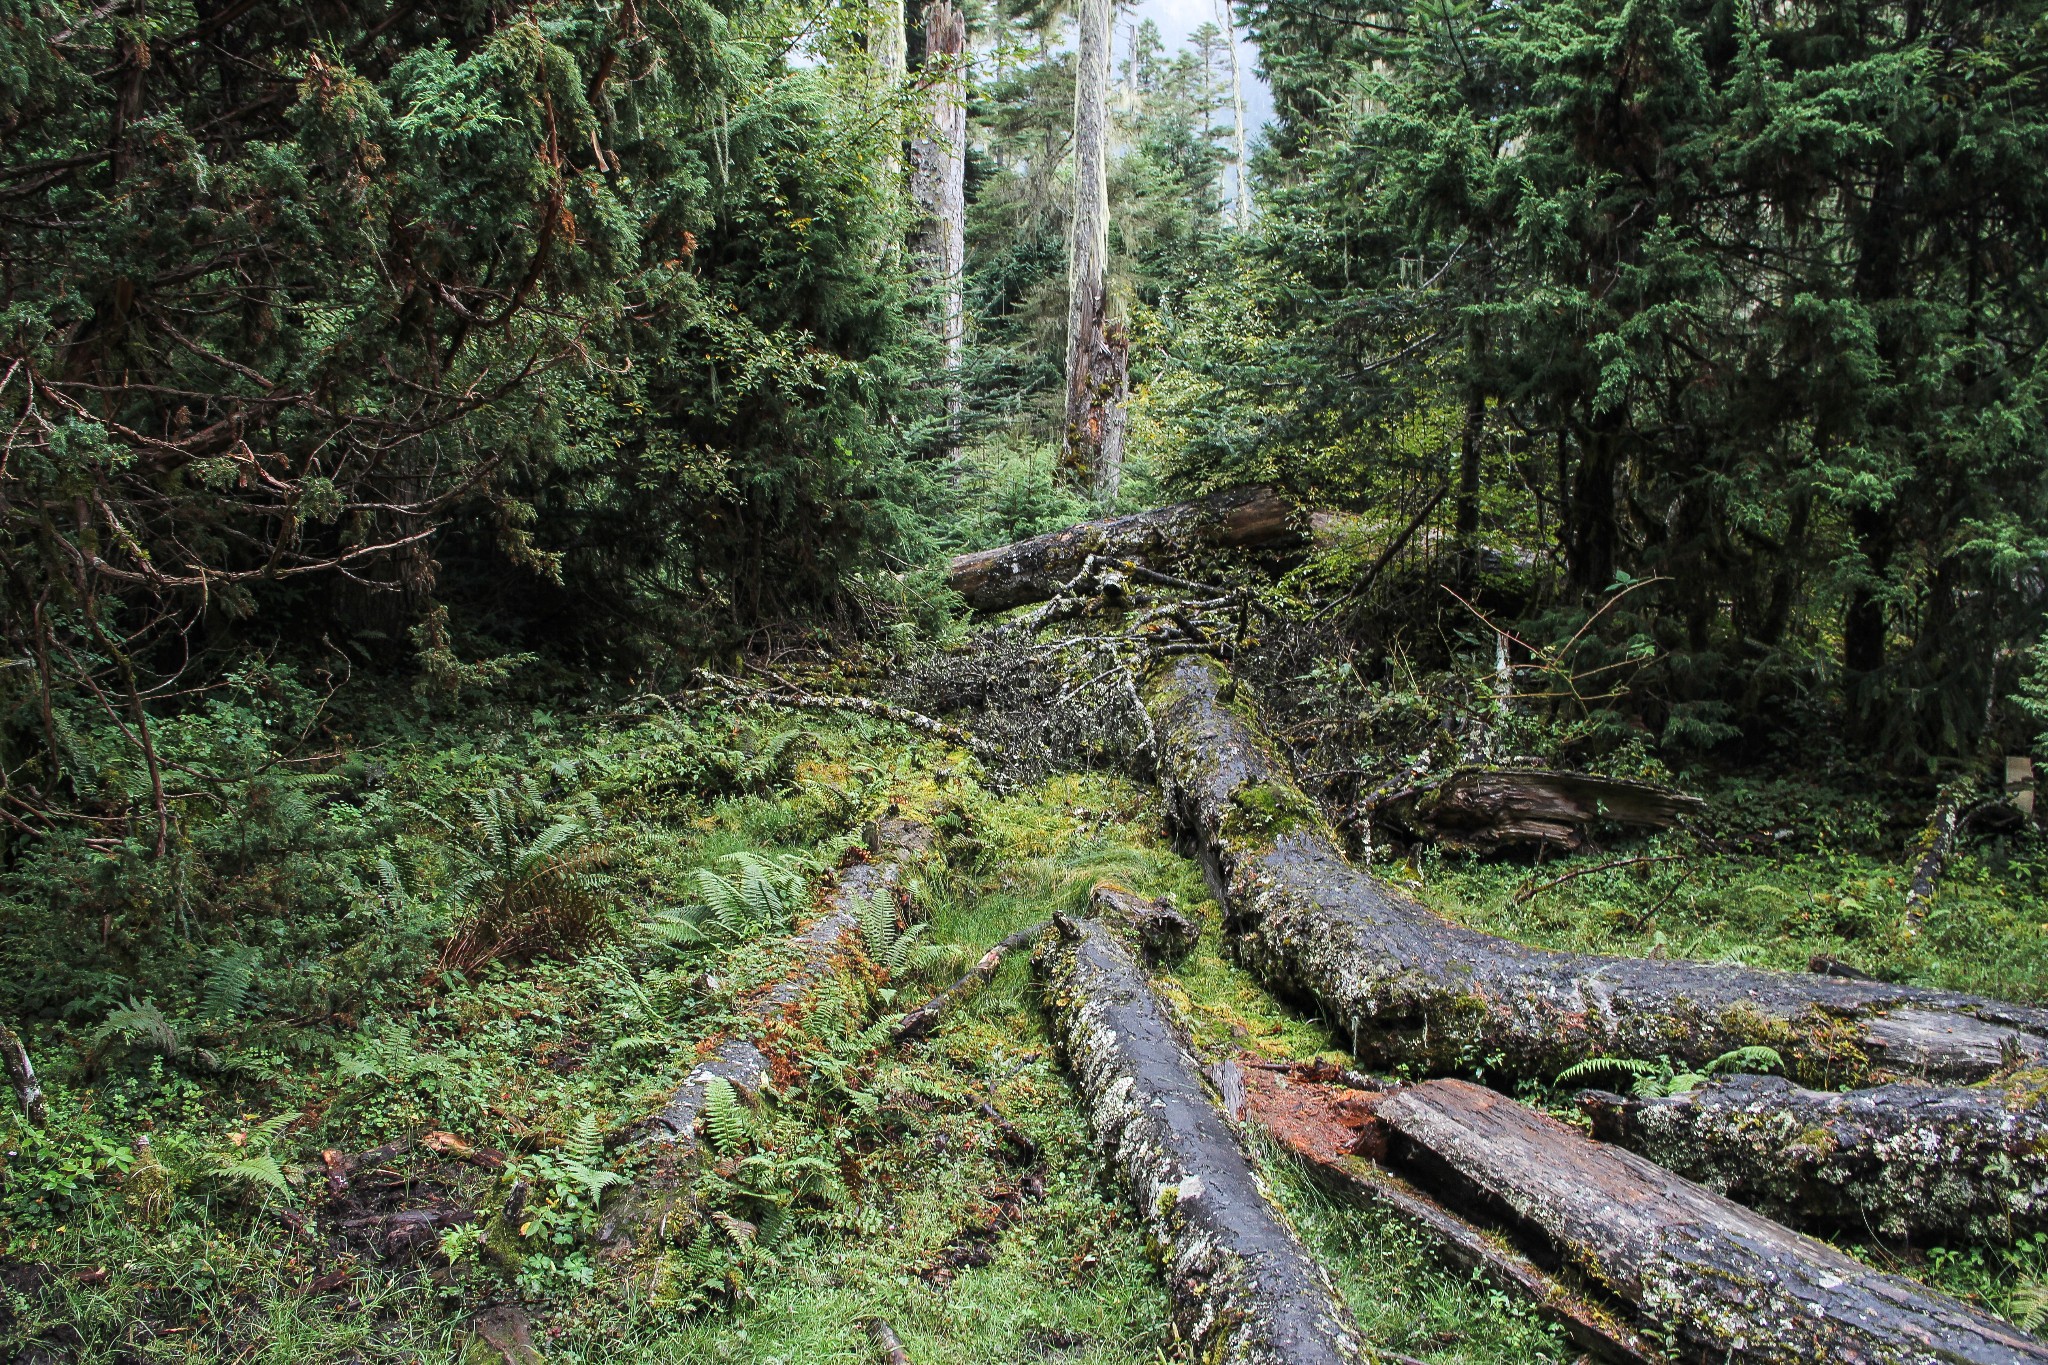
[(1487, 809), (1157, 926), (821, 948), (1242, 1287), (1330, 1128), (1033, 570), (1900, 1161), (932, 1012), (1724, 1283), (1408, 987)]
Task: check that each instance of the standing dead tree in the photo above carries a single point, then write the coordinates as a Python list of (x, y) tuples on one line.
[(938, 184), (1098, 351)]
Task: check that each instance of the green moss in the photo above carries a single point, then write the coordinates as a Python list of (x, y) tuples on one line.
[(1261, 812)]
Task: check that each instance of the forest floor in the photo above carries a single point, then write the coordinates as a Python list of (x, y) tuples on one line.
[(339, 1026)]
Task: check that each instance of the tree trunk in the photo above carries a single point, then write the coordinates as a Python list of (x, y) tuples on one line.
[(1486, 809), (1903, 1161), (1469, 451), (1725, 1282), (1033, 570), (1097, 348), (938, 182), (1330, 1128), (1243, 1289), (1409, 988), (1243, 202)]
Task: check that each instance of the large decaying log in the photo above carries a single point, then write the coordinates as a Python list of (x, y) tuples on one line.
[(1406, 986), (1033, 570), (1330, 1128), (1726, 1283), (1898, 1160), (1243, 1288), (1485, 809)]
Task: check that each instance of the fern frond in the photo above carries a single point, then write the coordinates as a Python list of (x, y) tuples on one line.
[(1752, 1059), (725, 1116), (1594, 1066), (585, 1143), (229, 983), (258, 1169)]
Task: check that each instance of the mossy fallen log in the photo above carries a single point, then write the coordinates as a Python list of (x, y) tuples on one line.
[(1329, 1126), (1722, 1282), (659, 1204), (1408, 987), (1902, 1161), (1033, 570), (1487, 809), (1243, 1288)]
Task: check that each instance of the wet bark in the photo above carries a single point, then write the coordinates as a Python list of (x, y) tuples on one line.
[(1408, 987), (1723, 1282), (1901, 1161), (1243, 1289), (1033, 570)]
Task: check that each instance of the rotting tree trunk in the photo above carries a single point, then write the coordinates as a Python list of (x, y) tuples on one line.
[(1902, 1161), (1034, 570), (938, 184), (1727, 1283), (827, 945), (1936, 843), (1408, 987), (1485, 809), (1098, 351), (1330, 1127), (1243, 1289), (1158, 927)]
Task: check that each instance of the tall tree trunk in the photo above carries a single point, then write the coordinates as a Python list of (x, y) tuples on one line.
[(1593, 533), (889, 50), (1244, 185), (1098, 352), (1469, 453), (938, 183)]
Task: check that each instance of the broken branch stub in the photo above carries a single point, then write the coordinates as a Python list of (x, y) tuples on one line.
[(1157, 926), (1408, 987), (1904, 1160), (1033, 570), (1244, 1290), (1728, 1284)]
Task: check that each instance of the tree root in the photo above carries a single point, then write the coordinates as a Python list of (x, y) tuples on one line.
[(1243, 1289), (1902, 1161), (1408, 987)]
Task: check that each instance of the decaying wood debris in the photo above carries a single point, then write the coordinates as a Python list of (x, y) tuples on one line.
[(1157, 926), (1904, 1160), (1488, 809), (1330, 1127), (1406, 986), (1725, 1282), (932, 1012), (789, 695), (1033, 570), (827, 945), (1243, 1288)]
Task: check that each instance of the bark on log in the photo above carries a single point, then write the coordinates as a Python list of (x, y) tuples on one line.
[(1330, 1127), (1726, 1283), (1243, 1288), (1486, 809), (1033, 570), (821, 948), (1901, 1161), (1159, 928), (1408, 987)]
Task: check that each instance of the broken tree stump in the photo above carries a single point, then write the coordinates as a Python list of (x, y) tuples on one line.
[(1485, 810), (1406, 986), (1724, 1282), (1157, 926), (1033, 570), (1243, 1288), (1905, 1160), (1331, 1129)]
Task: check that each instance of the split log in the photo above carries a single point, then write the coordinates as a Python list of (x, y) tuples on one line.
[(1033, 570), (1243, 1288), (1330, 1128), (1488, 809), (1158, 926), (1408, 987), (1899, 1160), (932, 1012), (1723, 1282)]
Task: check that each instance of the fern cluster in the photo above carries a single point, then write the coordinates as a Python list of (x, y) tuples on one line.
[(1659, 1078)]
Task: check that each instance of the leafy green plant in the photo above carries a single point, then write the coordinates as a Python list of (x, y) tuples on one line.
[(759, 895), (247, 1162), (526, 895), (1659, 1078)]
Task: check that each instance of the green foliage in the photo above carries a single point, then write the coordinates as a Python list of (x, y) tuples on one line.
[(1655, 1080)]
